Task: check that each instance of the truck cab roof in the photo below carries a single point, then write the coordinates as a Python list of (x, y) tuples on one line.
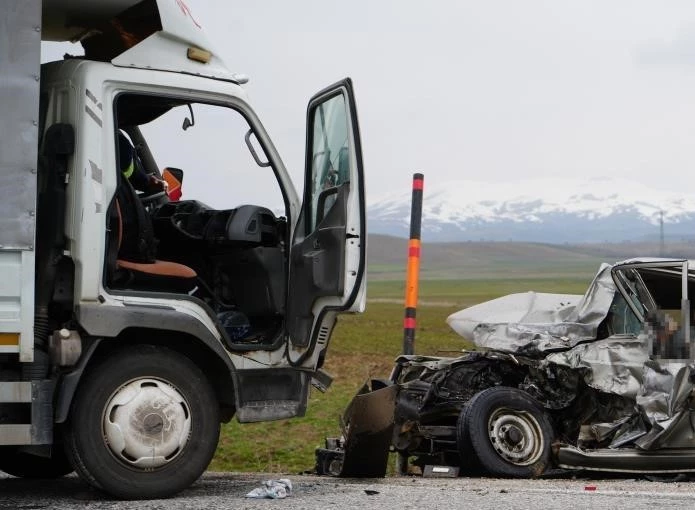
[(147, 34)]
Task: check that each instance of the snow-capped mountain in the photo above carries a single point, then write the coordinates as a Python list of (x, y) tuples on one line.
[(548, 210)]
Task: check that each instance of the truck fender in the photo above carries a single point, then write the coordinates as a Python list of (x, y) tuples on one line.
[(110, 321), (69, 382), (100, 322)]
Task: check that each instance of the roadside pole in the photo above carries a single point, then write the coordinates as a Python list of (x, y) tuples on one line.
[(413, 269)]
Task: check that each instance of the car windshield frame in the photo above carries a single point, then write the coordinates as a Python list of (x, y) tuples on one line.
[(630, 284), (629, 280)]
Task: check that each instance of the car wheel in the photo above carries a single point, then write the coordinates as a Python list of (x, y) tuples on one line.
[(506, 433), (15, 462), (144, 424)]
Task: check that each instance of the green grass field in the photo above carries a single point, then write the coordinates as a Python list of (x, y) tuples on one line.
[(365, 346)]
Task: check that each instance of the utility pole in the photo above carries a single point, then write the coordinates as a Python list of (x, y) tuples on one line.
[(413, 270), (661, 233)]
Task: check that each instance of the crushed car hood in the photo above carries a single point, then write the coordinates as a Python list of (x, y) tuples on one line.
[(533, 323)]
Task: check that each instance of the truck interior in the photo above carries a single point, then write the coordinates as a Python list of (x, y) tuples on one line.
[(215, 246)]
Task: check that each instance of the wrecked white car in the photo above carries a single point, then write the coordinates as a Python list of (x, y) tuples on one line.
[(601, 382)]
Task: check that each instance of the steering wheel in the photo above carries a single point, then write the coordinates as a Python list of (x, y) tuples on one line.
[(152, 197)]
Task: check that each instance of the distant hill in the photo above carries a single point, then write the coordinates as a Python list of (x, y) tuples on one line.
[(387, 257), (547, 211)]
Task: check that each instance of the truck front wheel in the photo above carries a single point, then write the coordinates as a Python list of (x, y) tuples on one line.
[(144, 424)]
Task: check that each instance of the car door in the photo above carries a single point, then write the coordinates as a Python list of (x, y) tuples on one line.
[(328, 252)]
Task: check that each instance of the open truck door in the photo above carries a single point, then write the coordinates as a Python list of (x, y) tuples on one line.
[(328, 253)]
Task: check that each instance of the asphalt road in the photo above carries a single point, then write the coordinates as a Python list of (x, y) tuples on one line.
[(227, 491)]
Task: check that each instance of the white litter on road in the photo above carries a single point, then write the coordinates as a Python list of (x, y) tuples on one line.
[(272, 489)]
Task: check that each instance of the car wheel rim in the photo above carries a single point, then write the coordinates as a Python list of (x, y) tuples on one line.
[(516, 436), (146, 423)]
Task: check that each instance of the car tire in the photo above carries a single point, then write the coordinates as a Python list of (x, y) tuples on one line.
[(17, 463), (468, 461), (506, 433), (144, 424)]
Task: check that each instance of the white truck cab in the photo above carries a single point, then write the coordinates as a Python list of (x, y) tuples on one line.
[(133, 321)]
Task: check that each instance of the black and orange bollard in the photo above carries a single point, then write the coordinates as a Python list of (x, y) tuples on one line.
[(413, 271)]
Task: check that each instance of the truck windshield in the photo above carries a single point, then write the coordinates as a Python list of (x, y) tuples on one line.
[(219, 169)]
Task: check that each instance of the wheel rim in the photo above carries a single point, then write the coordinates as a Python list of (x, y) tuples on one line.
[(516, 436), (146, 423)]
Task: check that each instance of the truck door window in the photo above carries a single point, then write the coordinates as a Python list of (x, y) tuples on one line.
[(330, 165)]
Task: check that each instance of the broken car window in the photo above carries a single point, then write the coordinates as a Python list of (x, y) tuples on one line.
[(635, 292), (621, 319)]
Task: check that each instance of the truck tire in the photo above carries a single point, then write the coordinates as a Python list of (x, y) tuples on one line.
[(506, 433), (144, 424), (23, 465)]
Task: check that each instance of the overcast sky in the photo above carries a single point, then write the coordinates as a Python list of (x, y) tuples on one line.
[(485, 90)]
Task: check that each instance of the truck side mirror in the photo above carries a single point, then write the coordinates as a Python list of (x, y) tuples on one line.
[(188, 122), (59, 140), (174, 179)]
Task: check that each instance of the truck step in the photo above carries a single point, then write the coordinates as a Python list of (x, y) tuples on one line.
[(15, 392), (37, 398), (15, 434)]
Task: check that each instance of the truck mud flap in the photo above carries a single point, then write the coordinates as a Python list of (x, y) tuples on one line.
[(367, 432)]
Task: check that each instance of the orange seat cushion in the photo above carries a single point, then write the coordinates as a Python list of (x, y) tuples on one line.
[(159, 267)]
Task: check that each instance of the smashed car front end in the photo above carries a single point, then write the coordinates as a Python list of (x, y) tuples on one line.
[(432, 393), (588, 382)]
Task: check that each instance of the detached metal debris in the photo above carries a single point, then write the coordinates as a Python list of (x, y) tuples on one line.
[(602, 381), (367, 426)]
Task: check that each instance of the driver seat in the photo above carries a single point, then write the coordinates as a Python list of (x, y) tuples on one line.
[(156, 275), (135, 265)]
